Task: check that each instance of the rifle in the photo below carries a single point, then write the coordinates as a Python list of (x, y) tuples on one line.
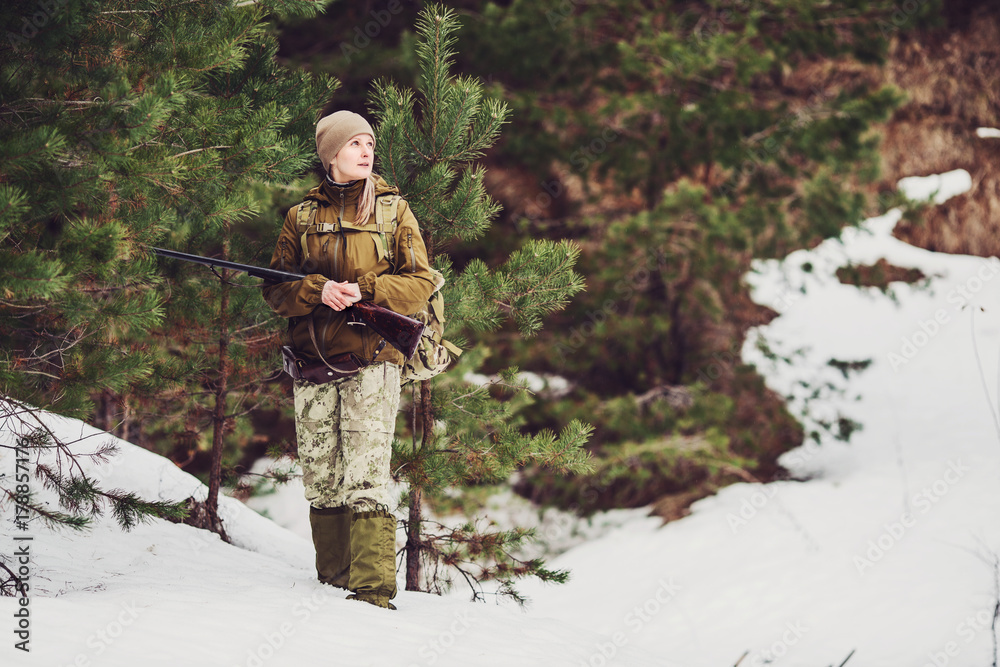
[(400, 331)]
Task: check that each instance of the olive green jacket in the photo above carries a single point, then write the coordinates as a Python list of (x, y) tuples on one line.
[(347, 254)]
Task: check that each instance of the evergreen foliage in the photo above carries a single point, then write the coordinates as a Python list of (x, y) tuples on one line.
[(125, 125), (700, 134), (59, 468), (462, 434), (709, 134)]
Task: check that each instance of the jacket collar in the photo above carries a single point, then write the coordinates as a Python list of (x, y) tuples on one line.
[(332, 192), (328, 192)]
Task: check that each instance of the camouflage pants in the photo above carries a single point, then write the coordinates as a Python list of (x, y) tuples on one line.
[(345, 430)]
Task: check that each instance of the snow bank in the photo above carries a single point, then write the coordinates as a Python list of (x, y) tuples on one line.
[(166, 594), (888, 550)]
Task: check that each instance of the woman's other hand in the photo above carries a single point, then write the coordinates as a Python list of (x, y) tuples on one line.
[(340, 295)]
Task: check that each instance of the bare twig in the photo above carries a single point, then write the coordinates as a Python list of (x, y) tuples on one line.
[(17, 581), (996, 606), (979, 367), (847, 658)]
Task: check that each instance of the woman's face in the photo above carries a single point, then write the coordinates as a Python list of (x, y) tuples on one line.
[(355, 159)]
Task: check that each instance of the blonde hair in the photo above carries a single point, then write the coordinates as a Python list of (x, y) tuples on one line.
[(366, 202)]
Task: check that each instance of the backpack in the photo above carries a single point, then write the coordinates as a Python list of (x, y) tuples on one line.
[(433, 354)]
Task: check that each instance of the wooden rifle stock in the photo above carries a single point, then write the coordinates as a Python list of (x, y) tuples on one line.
[(400, 331)]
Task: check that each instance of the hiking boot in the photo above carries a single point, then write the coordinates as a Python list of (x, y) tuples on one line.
[(373, 598), (373, 558), (331, 533)]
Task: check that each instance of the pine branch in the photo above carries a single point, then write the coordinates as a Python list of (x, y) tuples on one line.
[(427, 141)]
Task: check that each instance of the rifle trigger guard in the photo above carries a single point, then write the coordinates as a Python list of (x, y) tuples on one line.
[(353, 320)]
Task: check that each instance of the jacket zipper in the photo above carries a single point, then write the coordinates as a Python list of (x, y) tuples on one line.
[(335, 274), (336, 246), (366, 337)]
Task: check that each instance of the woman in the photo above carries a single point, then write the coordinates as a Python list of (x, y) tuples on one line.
[(345, 427)]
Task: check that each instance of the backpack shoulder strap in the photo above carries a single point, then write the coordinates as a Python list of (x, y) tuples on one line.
[(306, 214), (305, 217), (386, 212)]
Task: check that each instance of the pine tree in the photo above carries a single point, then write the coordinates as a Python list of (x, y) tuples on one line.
[(719, 132), (125, 125), (463, 435)]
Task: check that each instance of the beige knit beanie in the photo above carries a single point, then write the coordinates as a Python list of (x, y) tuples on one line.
[(334, 131)]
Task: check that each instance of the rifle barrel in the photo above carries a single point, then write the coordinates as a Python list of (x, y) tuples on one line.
[(400, 331), (270, 275)]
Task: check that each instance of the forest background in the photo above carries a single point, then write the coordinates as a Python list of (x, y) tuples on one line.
[(674, 142), (670, 142)]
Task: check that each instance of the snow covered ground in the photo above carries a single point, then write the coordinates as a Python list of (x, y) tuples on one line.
[(166, 594), (887, 550)]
